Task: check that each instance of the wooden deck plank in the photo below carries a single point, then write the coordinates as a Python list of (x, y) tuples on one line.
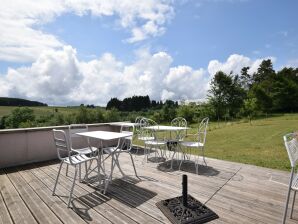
[(133, 199), (238, 193), (4, 213), (54, 203), (17, 208), (85, 211), (38, 208), (97, 202)]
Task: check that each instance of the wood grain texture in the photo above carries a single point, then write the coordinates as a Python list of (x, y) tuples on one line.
[(238, 193)]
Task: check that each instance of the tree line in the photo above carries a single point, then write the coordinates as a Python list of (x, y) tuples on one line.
[(7, 101), (265, 91), (135, 103)]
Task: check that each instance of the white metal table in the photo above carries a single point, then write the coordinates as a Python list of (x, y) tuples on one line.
[(104, 136)]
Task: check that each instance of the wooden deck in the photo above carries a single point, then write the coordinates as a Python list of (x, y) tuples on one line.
[(238, 193)]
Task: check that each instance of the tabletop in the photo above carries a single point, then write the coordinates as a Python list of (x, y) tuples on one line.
[(126, 124), (105, 135), (166, 128)]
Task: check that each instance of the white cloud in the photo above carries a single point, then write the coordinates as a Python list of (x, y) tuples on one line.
[(22, 38), (186, 83), (235, 63), (59, 78)]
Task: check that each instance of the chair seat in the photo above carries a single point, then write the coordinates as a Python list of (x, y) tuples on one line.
[(295, 183), (110, 150), (155, 142), (145, 138), (77, 159), (192, 144), (85, 151)]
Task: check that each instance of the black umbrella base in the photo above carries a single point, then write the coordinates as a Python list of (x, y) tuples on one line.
[(194, 212)]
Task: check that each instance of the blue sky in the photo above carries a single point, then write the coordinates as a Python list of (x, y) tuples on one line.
[(157, 43)]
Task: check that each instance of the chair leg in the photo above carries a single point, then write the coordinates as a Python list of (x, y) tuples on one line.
[(293, 203), (66, 173), (98, 172), (86, 170), (133, 164), (116, 157), (57, 178), (172, 161), (72, 187), (113, 163), (197, 163), (288, 196), (80, 172), (203, 155)]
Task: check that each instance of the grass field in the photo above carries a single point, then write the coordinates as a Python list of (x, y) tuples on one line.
[(6, 110), (260, 144)]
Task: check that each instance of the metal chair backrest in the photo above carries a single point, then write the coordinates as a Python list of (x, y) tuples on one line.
[(138, 125), (180, 122), (147, 133), (77, 128), (127, 141), (291, 144), (61, 144), (202, 131)]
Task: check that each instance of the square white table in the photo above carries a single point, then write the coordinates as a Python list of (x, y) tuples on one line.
[(104, 136)]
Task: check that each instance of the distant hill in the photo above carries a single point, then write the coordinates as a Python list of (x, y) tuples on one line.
[(6, 101)]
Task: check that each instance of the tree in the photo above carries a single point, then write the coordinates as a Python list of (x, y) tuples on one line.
[(187, 112), (250, 108), (220, 93), (168, 110), (18, 116), (114, 103), (245, 78), (265, 72)]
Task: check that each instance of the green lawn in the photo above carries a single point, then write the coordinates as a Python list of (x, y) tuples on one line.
[(260, 144), (6, 110)]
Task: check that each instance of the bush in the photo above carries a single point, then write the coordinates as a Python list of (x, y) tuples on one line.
[(20, 115)]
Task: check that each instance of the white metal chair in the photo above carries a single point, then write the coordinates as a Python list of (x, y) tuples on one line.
[(180, 122), (150, 138), (86, 149), (179, 136), (63, 148), (124, 146), (291, 144), (137, 130), (199, 142)]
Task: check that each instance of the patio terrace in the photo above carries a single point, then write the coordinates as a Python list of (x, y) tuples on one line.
[(238, 193)]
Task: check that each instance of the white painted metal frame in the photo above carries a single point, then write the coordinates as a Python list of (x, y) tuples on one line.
[(199, 142), (63, 147), (73, 129), (148, 135), (124, 146), (291, 144), (105, 136)]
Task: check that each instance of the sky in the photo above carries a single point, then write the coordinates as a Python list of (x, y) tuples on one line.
[(68, 52)]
